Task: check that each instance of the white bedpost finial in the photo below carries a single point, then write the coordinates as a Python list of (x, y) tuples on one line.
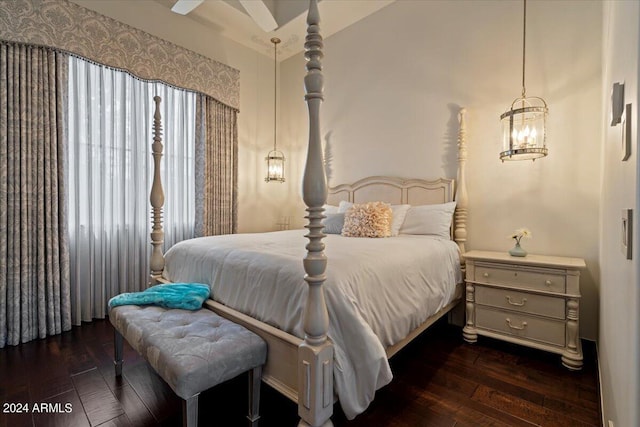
[(462, 199), (156, 264), (315, 354)]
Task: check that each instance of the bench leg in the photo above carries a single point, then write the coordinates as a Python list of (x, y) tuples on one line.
[(255, 378), (190, 411), (117, 347)]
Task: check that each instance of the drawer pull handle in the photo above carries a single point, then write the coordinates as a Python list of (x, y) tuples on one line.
[(518, 304), (548, 283), (519, 328), (485, 275)]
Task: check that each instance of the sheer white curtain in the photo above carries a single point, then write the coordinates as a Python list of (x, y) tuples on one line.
[(110, 175)]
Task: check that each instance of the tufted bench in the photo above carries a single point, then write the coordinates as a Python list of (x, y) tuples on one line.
[(191, 350)]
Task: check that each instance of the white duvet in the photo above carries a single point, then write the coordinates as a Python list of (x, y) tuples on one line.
[(377, 291)]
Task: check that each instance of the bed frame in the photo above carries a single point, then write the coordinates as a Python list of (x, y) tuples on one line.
[(302, 369)]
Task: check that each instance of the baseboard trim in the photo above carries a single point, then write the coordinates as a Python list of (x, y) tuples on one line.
[(600, 385)]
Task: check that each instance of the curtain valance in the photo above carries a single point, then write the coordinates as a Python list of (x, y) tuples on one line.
[(75, 29)]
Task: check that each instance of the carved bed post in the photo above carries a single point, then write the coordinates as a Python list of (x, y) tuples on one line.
[(156, 263), (315, 354), (462, 199)]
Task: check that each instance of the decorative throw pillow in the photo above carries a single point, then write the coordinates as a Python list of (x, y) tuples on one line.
[(333, 223), (429, 219), (371, 219), (399, 212)]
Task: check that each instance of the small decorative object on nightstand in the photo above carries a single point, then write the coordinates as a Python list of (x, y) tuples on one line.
[(533, 301), (517, 236)]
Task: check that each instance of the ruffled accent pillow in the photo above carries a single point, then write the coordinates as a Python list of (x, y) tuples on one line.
[(398, 214), (371, 219)]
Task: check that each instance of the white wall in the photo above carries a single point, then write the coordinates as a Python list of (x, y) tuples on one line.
[(259, 204), (395, 81), (620, 294)]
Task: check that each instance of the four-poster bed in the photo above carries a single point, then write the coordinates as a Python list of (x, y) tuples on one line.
[(300, 361)]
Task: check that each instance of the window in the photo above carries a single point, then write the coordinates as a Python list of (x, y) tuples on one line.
[(110, 176)]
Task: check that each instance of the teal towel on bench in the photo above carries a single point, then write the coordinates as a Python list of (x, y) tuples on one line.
[(188, 296)]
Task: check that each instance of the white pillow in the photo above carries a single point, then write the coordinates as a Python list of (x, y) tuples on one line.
[(330, 209), (344, 206), (429, 219), (398, 211), (333, 223)]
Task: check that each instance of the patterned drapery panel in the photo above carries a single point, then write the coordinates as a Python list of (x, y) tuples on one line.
[(34, 255), (217, 169), (73, 28)]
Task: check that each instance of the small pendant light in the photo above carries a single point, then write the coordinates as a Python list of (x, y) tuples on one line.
[(275, 158), (524, 125)]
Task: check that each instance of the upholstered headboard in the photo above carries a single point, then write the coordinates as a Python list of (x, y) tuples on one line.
[(394, 190)]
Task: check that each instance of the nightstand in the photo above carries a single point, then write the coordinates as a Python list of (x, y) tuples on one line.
[(532, 300)]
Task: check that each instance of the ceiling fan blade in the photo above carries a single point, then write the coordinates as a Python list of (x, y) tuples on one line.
[(260, 14), (185, 6)]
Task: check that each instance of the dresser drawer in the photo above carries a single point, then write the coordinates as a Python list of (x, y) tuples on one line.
[(522, 302), (524, 278), (548, 331)]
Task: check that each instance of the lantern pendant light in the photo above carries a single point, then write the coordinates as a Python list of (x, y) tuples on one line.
[(275, 158), (524, 125)]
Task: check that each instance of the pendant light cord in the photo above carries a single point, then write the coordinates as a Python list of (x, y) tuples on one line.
[(275, 92), (524, 47)]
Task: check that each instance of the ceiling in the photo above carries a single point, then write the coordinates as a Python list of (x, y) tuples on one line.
[(230, 19)]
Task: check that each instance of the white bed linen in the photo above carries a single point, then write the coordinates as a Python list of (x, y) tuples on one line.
[(377, 291)]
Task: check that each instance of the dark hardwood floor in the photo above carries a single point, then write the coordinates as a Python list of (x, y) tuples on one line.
[(68, 381)]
